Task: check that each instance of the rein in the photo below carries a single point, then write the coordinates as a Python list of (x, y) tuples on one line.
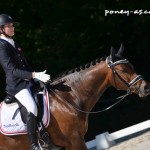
[(94, 112)]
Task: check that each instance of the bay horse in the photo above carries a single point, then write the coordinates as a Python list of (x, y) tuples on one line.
[(74, 94)]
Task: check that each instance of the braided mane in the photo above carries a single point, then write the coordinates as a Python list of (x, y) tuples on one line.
[(82, 67)]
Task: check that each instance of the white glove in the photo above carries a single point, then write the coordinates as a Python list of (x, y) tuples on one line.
[(42, 76)]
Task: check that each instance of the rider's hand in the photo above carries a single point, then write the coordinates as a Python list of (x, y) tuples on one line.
[(42, 76)]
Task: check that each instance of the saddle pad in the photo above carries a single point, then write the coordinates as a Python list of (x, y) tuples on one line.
[(8, 126)]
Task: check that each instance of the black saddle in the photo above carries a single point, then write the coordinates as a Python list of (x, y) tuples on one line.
[(10, 99)]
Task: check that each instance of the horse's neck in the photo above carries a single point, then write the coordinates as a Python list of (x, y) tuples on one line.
[(90, 85)]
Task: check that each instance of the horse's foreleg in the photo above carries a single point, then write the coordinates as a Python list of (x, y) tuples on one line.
[(77, 147), (77, 144), (57, 149)]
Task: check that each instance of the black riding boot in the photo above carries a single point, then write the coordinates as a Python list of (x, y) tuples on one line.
[(31, 128)]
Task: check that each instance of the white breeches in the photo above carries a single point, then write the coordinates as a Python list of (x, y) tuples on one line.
[(26, 99)]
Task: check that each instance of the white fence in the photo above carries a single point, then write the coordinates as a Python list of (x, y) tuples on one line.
[(106, 140)]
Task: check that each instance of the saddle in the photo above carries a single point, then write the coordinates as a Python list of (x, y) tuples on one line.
[(36, 88), (9, 99), (19, 110)]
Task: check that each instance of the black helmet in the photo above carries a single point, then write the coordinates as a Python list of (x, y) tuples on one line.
[(5, 19)]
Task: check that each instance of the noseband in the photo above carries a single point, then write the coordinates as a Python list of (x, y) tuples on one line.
[(123, 61)]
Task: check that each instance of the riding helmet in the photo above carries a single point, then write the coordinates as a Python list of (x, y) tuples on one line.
[(5, 19)]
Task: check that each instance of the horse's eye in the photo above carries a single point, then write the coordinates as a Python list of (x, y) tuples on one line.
[(124, 70)]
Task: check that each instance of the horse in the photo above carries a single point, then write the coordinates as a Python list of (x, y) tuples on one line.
[(75, 93)]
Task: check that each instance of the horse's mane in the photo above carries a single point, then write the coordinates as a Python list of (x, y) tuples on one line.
[(79, 68)]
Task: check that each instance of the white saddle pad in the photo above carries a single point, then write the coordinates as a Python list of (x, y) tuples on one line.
[(8, 126)]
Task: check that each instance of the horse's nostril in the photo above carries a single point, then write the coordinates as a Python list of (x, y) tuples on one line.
[(147, 88)]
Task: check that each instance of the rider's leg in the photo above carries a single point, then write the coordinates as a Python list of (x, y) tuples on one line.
[(31, 127), (26, 99)]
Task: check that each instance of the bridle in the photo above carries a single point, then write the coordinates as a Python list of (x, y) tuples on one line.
[(112, 65)]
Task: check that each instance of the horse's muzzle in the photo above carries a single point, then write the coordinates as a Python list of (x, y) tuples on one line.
[(144, 90), (147, 89)]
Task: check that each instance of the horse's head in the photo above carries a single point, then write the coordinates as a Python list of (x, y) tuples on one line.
[(123, 76)]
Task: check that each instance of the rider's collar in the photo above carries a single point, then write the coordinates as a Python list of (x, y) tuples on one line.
[(11, 41)]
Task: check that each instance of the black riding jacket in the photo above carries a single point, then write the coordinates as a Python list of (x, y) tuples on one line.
[(15, 66)]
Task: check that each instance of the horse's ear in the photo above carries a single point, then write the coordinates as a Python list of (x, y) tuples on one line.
[(112, 53), (121, 49)]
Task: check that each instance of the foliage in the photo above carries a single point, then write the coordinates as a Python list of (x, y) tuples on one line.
[(54, 32)]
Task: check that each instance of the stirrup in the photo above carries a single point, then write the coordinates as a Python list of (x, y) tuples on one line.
[(44, 138), (35, 147)]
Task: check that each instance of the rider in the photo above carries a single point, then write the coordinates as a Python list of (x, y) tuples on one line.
[(18, 75)]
